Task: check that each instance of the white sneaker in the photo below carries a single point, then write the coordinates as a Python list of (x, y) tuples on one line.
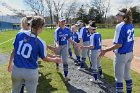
[(67, 79), (79, 68), (94, 81), (102, 76)]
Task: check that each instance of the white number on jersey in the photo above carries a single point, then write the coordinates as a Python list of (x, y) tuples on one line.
[(22, 51), (130, 35), (63, 38)]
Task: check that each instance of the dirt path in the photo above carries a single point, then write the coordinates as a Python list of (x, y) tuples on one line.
[(80, 82), (136, 61)]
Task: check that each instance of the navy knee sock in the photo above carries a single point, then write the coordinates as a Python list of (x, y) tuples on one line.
[(129, 85), (70, 52), (82, 65), (95, 74), (22, 88), (65, 68), (119, 87), (100, 70)]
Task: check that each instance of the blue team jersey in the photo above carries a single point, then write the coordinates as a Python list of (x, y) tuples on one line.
[(124, 35), (84, 34), (62, 35), (96, 41), (26, 53), (75, 37)]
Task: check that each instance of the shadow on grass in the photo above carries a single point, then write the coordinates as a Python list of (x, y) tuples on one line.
[(70, 87), (108, 83), (39, 64), (44, 85)]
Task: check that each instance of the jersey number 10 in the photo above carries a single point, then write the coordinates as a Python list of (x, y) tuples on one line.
[(26, 46)]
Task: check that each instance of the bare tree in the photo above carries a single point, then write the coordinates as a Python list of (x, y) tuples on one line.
[(58, 5), (71, 10), (107, 7), (36, 6), (49, 5), (16, 11), (99, 5)]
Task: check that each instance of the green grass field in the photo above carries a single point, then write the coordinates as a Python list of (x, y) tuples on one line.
[(50, 80)]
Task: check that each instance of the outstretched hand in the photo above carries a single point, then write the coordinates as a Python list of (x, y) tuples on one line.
[(102, 53), (10, 67), (58, 60)]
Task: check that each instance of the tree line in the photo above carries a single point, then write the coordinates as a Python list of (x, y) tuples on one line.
[(73, 10)]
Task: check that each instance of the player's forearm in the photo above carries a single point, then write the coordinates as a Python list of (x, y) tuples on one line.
[(52, 56), (50, 47), (71, 41), (49, 59), (88, 47), (11, 57), (116, 46)]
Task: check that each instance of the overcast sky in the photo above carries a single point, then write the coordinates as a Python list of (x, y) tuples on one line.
[(114, 5)]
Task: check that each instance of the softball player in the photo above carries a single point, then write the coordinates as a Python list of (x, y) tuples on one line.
[(76, 49), (62, 36), (95, 49), (27, 48), (123, 49), (84, 38), (25, 25)]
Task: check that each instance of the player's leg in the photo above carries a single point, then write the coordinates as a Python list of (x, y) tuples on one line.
[(89, 55), (119, 65), (64, 53), (127, 75), (93, 60), (84, 54), (69, 50), (99, 67), (77, 53), (17, 79), (22, 88), (58, 52), (31, 80)]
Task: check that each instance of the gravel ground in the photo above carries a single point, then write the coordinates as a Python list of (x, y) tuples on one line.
[(80, 82)]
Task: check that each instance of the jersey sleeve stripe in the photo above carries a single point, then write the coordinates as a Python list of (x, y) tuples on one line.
[(117, 33), (81, 32)]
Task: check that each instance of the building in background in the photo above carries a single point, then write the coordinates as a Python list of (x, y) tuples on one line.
[(9, 22)]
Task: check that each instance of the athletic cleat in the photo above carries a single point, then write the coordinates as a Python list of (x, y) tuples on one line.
[(82, 69), (67, 79), (76, 64), (102, 76), (94, 81)]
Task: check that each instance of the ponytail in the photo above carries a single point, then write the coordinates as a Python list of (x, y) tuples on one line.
[(127, 15)]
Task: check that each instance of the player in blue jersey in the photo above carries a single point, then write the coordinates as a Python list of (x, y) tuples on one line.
[(25, 26), (75, 38), (62, 36), (27, 48), (95, 49), (84, 38), (123, 49)]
